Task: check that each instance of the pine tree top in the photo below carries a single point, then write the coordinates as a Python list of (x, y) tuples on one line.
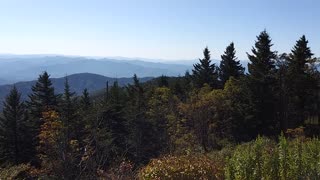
[(300, 54), (262, 58), (205, 71), (301, 49), (229, 65), (13, 104)]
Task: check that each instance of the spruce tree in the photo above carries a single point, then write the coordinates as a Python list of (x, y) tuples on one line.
[(205, 72), (299, 82), (136, 93), (43, 97), (68, 110), (85, 100), (68, 100), (116, 96), (229, 65), (137, 121), (281, 90), (262, 59), (41, 100), (261, 82), (15, 146), (73, 128)]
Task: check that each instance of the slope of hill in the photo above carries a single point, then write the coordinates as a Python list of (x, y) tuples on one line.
[(77, 83)]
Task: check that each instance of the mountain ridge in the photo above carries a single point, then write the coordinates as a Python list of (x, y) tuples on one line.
[(15, 68), (24, 68), (77, 82)]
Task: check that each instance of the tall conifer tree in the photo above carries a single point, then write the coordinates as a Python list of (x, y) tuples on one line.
[(261, 82), (15, 146), (205, 72), (299, 82), (41, 100), (229, 65), (263, 58), (68, 110), (85, 100), (140, 127), (42, 97)]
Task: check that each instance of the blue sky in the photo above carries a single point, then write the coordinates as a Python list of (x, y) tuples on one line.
[(164, 29)]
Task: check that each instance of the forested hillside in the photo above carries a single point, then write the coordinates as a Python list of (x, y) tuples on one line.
[(184, 127), (78, 82)]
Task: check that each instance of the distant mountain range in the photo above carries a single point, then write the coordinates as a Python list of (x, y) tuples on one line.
[(78, 82), (15, 68)]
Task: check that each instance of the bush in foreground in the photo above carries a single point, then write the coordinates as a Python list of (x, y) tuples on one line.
[(263, 159), (20, 171), (289, 158), (182, 167)]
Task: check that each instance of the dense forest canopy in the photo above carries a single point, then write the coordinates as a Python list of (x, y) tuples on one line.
[(84, 137)]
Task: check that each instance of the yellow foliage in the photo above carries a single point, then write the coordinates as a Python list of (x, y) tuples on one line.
[(50, 130), (182, 167)]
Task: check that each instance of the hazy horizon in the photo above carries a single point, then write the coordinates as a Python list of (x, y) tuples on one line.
[(12, 55)]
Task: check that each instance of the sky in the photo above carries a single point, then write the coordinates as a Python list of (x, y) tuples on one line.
[(157, 29)]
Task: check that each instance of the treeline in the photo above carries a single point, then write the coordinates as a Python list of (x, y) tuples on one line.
[(84, 137)]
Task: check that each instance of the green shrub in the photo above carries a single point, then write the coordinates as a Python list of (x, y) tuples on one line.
[(311, 158), (252, 161), (182, 167), (264, 159)]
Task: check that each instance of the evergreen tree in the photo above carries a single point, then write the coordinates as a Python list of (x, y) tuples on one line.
[(41, 100), (82, 123), (300, 56), (106, 94), (116, 95), (72, 130), (115, 123), (205, 72), (15, 146), (229, 66), (68, 110), (68, 100), (136, 94), (261, 82), (299, 82), (140, 128), (262, 58), (85, 100), (42, 97), (113, 114), (281, 90)]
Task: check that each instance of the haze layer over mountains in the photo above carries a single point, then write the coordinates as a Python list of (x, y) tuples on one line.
[(16, 68)]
